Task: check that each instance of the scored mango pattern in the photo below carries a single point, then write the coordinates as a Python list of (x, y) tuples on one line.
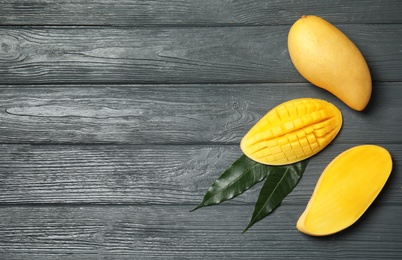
[(292, 131)]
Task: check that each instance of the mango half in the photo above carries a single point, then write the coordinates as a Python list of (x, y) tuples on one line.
[(346, 188), (292, 131), (327, 58)]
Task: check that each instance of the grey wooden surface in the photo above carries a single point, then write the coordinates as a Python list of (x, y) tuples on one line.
[(116, 116)]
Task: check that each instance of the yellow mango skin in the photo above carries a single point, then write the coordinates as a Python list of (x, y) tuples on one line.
[(327, 58), (292, 131), (346, 188)]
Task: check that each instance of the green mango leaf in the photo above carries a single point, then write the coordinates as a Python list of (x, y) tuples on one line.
[(278, 184), (239, 177)]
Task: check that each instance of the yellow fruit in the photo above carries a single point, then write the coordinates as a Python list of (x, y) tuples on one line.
[(327, 58), (292, 131), (346, 188)]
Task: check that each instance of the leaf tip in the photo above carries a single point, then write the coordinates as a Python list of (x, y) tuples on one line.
[(244, 230), (197, 207)]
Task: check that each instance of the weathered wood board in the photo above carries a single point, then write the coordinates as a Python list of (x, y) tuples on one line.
[(175, 113), (140, 174), (243, 54), (192, 12), (171, 232)]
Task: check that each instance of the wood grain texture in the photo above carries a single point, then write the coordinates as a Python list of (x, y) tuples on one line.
[(143, 175), (175, 114), (116, 117), (164, 232), (193, 12), (175, 55)]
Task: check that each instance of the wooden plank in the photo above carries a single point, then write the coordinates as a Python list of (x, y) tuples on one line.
[(175, 114), (193, 12), (162, 232), (144, 175), (175, 55)]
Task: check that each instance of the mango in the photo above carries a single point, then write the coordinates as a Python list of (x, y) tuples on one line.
[(345, 189), (327, 58), (292, 131)]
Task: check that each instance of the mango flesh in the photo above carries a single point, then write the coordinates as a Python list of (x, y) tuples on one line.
[(292, 131), (327, 58), (345, 190)]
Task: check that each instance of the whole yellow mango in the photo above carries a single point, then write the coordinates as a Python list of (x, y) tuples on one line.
[(345, 190), (292, 131), (327, 58)]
